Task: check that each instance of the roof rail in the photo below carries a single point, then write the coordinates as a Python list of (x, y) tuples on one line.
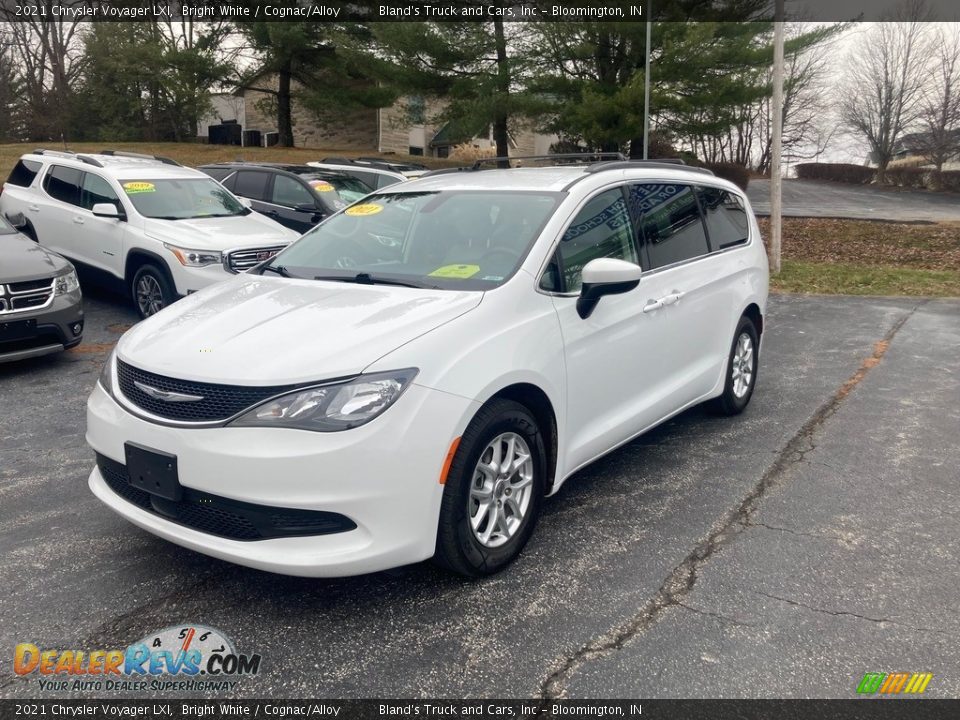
[(585, 157), (70, 154), (446, 171), (668, 164), (141, 156)]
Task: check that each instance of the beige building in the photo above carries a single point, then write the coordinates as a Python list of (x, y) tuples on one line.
[(408, 127)]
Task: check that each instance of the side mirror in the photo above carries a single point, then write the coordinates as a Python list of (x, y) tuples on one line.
[(106, 210), (605, 276), (17, 220), (245, 202)]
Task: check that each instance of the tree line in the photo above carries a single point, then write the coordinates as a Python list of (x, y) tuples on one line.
[(582, 80)]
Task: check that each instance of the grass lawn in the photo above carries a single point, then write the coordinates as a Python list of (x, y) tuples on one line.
[(860, 257)]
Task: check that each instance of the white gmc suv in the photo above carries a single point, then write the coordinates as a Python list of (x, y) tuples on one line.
[(419, 371), (141, 223)]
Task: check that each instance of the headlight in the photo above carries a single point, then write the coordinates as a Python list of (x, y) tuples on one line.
[(194, 258), (67, 283), (106, 372), (332, 407)]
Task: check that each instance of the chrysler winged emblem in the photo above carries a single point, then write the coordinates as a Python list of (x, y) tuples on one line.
[(166, 395)]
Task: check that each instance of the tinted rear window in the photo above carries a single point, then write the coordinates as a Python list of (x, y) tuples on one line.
[(24, 172), (251, 184), (725, 216), (672, 228), (63, 183)]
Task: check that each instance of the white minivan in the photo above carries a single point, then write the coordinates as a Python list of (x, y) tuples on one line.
[(416, 374), (142, 224)]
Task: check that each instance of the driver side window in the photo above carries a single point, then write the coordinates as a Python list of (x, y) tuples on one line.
[(289, 192), (602, 229)]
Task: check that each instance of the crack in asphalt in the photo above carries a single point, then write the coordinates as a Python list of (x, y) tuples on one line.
[(774, 528), (680, 582), (846, 613), (719, 616)]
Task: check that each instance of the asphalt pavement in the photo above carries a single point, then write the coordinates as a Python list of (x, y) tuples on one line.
[(811, 198), (781, 553)]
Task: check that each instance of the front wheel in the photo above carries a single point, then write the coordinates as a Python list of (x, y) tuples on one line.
[(493, 492), (151, 290), (742, 366)]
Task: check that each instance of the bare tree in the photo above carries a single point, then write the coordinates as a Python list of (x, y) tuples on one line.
[(940, 114), (885, 78)]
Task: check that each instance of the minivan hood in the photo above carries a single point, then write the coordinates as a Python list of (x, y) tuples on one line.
[(256, 330), (220, 233), (22, 259)]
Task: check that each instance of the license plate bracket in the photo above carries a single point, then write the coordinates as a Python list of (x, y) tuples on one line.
[(18, 329), (153, 471)]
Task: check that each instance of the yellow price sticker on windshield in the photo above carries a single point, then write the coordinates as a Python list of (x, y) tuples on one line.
[(364, 209), (322, 186), (131, 188), (459, 272)]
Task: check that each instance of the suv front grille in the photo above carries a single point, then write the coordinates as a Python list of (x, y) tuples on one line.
[(219, 402), (221, 516), (32, 294), (242, 260)]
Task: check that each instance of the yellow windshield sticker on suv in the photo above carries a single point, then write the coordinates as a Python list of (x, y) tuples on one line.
[(364, 209), (460, 272), (131, 188)]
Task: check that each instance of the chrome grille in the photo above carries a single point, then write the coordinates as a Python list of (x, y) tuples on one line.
[(242, 260), (218, 402), (29, 295)]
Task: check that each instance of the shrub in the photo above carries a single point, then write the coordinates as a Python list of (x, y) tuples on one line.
[(908, 177), (950, 180), (737, 174), (836, 172)]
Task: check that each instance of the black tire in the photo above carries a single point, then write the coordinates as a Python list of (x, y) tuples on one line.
[(458, 548), (732, 403), (150, 275)]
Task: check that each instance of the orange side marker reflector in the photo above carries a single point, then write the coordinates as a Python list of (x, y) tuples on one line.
[(449, 460)]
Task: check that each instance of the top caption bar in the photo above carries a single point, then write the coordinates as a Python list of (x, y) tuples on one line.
[(418, 11)]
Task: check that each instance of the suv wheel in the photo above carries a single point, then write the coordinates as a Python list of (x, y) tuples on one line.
[(151, 290), (742, 366), (494, 490)]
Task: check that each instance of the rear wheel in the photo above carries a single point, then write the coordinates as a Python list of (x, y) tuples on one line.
[(151, 290), (742, 365), (493, 492)]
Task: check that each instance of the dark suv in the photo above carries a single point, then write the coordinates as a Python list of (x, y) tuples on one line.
[(297, 196), (40, 302)]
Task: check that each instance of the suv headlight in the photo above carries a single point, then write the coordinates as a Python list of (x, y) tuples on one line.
[(331, 408), (106, 373), (67, 283), (194, 258)]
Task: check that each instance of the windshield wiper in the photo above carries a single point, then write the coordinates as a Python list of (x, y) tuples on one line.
[(278, 269), (367, 279)]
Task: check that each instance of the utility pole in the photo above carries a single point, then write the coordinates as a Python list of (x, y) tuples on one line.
[(776, 221), (646, 86)]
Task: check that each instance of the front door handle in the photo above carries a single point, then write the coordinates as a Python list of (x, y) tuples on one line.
[(652, 305), (77, 220), (672, 298), (33, 208)]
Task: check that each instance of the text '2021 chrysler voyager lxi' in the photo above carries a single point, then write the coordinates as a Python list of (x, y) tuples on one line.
[(416, 374)]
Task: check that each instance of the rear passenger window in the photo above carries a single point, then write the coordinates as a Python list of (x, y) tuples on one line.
[(63, 183), (601, 230), (251, 184), (725, 216), (96, 189), (24, 172), (670, 221)]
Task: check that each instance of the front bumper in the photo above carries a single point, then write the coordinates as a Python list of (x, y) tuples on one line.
[(383, 476), (54, 331)]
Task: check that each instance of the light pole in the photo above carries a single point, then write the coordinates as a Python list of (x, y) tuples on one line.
[(646, 86), (776, 223)]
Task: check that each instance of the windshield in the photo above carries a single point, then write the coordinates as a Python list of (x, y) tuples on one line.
[(181, 199), (346, 189), (469, 240)]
